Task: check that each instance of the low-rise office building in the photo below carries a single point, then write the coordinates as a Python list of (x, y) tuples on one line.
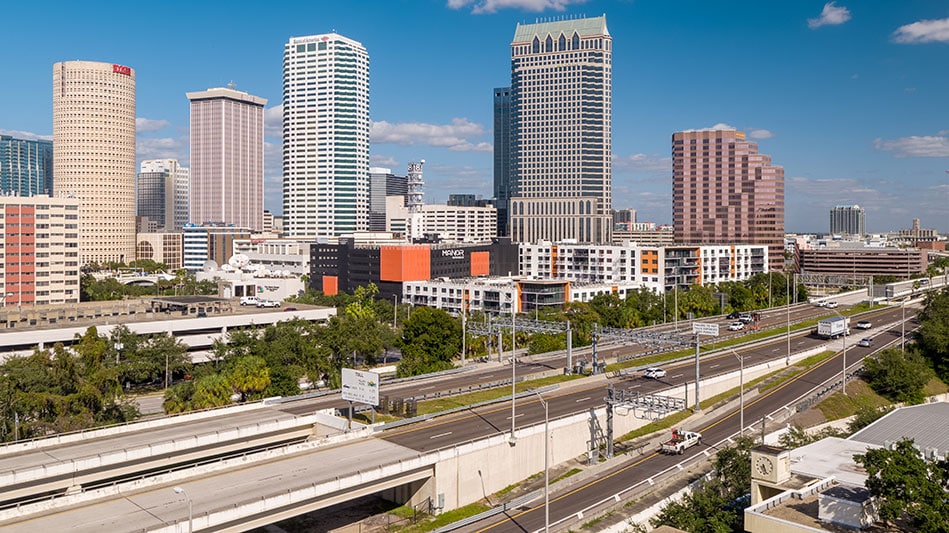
[(348, 264), (160, 247), (857, 259)]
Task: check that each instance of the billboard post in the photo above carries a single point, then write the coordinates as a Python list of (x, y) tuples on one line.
[(360, 386)]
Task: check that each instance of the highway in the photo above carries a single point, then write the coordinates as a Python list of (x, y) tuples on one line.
[(473, 425)]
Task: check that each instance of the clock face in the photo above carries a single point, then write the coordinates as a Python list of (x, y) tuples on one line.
[(764, 466)]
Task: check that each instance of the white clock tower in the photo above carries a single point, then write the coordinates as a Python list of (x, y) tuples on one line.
[(770, 469)]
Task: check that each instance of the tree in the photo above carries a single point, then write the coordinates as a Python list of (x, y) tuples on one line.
[(932, 337), (712, 507), (249, 375), (897, 375), (798, 436), (213, 390), (867, 415), (907, 484), (430, 340)]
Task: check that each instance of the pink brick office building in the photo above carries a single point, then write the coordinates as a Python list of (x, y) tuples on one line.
[(724, 191)]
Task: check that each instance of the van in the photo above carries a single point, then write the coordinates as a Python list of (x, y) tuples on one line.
[(249, 300), (746, 318)]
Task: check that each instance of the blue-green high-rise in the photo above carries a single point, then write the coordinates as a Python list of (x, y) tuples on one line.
[(26, 166)]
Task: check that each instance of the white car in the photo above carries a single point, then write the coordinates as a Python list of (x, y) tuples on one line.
[(249, 300), (268, 303), (864, 324), (654, 373), (736, 326), (866, 343), (831, 305)]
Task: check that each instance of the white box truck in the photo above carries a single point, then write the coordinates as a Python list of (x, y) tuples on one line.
[(831, 328)]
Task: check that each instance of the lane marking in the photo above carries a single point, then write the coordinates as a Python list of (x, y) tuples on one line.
[(582, 400), (440, 435)]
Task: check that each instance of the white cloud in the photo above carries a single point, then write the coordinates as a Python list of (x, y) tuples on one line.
[(25, 135), (147, 124), (760, 134), (273, 159), (493, 6), (915, 146), (831, 15), (642, 163), (384, 161), (273, 121), (162, 148), (924, 31), (456, 136), (723, 126)]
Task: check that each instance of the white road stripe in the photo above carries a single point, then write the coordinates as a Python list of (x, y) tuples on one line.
[(582, 399), (440, 435)]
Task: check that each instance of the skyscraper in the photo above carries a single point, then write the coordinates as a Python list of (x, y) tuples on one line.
[(227, 157), (325, 136), (26, 166), (502, 155), (383, 183), (161, 191), (724, 191), (848, 220), (561, 108), (94, 155)]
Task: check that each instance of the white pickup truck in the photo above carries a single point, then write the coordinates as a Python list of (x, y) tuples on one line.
[(681, 441)]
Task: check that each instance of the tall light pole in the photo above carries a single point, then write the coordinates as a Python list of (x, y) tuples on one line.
[(180, 490), (513, 365), (546, 463), (903, 327), (843, 379), (118, 350), (395, 311), (741, 392), (787, 284)]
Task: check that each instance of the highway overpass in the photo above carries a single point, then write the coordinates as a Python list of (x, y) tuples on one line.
[(452, 460)]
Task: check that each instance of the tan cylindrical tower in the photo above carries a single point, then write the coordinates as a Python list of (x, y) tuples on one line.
[(94, 154)]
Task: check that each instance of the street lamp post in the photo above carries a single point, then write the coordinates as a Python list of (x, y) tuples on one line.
[(843, 378), (118, 350), (546, 463), (741, 392), (180, 490), (903, 327), (787, 284), (513, 365)]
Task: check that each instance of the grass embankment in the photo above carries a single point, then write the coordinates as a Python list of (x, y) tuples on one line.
[(438, 405), (770, 381), (859, 394), (429, 523)]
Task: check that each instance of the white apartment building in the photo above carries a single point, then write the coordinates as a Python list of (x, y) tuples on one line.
[(39, 252), (94, 156), (499, 295), (276, 255), (658, 268), (325, 136), (449, 222)]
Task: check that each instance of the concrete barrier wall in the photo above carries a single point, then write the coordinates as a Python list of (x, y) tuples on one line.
[(474, 471), (69, 438), (112, 457)]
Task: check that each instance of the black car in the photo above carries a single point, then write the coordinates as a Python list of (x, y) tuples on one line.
[(733, 315)]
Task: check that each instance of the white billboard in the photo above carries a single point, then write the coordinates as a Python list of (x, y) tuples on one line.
[(704, 328), (360, 386)]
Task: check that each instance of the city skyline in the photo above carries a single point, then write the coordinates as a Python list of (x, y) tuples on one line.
[(843, 95)]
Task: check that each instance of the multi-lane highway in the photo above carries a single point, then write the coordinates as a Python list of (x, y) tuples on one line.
[(493, 420)]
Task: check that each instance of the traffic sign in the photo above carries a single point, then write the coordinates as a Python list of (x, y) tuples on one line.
[(703, 328), (360, 386)]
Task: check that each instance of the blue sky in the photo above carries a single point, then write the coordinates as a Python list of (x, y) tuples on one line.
[(850, 97)]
